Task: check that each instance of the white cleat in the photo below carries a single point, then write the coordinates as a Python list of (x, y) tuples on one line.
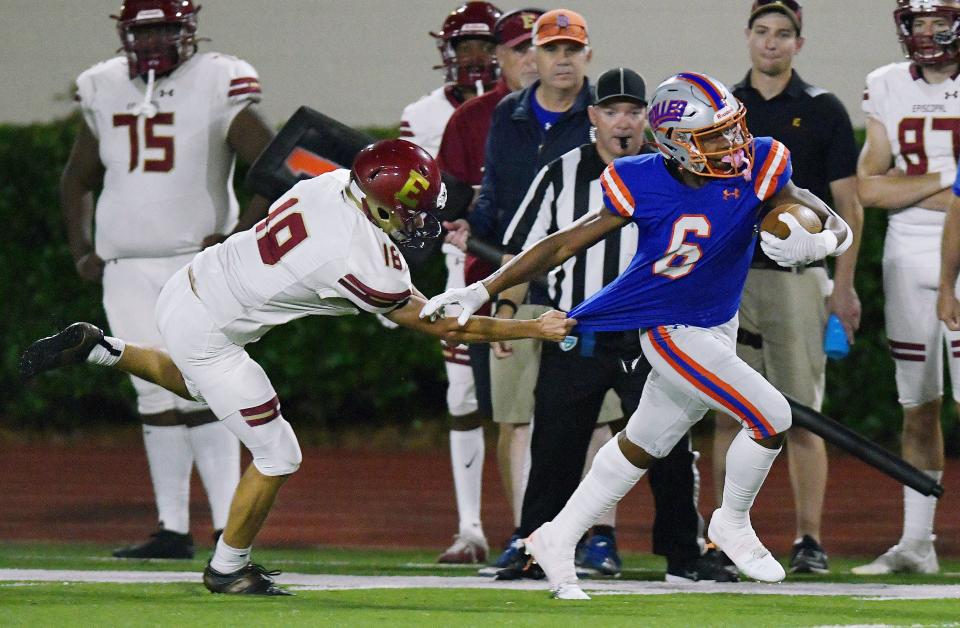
[(741, 545), (914, 556), (556, 562), (570, 592)]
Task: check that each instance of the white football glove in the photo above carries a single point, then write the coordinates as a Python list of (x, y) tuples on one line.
[(799, 248), (470, 299)]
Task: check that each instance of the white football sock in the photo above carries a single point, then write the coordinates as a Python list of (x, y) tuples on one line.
[(601, 434), (466, 457), (519, 468), (610, 478), (171, 461), (918, 512), (216, 452), (747, 466), (228, 559), (104, 357)]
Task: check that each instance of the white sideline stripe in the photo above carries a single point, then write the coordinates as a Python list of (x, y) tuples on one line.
[(328, 582)]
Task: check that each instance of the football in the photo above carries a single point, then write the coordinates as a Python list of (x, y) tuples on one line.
[(807, 218)]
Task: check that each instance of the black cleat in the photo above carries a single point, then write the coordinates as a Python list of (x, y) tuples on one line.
[(161, 544), (712, 566), (521, 566), (808, 557), (70, 346), (251, 579)]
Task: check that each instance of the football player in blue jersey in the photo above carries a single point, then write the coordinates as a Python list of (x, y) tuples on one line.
[(697, 205)]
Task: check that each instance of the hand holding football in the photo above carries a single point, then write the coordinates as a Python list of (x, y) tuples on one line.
[(807, 218)]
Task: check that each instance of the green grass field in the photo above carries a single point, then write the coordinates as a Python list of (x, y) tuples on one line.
[(424, 594)]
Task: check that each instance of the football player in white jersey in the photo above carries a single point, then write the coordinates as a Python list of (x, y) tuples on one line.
[(328, 247), (470, 68), (907, 166), (162, 125), (467, 46)]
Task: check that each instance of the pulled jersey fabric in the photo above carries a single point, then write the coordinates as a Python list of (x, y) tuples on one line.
[(694, 246)]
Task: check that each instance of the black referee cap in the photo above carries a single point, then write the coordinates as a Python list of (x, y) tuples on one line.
[(621, 84)]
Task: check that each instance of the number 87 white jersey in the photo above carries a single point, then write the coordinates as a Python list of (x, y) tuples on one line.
[(314, 254), (922, 122)]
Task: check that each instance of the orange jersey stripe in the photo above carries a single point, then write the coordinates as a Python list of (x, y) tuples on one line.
[(691, 363), (612, 196), (773, 166), (617, 191)]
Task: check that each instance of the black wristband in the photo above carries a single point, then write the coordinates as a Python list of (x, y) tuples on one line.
[(507, 302)]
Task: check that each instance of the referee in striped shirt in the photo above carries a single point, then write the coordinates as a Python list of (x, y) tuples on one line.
[(573, 380)]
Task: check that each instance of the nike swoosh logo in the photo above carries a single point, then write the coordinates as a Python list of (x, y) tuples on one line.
[(469, 464)]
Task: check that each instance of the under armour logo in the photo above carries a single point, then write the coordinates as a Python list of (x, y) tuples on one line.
[(166, 92), (949, 95), (733, 193), (796, 122)]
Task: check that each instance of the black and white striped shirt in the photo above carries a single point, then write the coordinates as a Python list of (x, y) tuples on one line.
[(564, 191)]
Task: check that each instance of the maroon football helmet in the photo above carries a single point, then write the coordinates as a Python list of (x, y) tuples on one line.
[(157, 35), (398, 185), (473, 20), (925, 49)]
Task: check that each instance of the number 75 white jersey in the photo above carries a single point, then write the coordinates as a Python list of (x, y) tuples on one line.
[(922, 122), (167, 181), (314, 254)]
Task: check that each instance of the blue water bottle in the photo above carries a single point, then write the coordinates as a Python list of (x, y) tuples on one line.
[(835, 343)]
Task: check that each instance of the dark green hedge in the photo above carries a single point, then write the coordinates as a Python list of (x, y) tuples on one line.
[(328, 371)]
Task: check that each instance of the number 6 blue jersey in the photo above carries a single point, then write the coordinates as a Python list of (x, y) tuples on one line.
[(695, 245)]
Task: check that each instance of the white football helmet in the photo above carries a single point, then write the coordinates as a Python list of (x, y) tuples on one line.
[(689, 113)]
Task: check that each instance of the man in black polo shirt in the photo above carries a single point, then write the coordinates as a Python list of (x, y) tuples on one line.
[(784, 310)]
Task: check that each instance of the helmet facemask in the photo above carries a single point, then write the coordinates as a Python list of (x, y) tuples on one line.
[(159, 47), (406, 226), (158, 35), (474, 70), (733, 161), (939, 48)]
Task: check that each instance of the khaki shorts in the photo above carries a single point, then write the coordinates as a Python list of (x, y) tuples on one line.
[(513, 379), (788, 311)]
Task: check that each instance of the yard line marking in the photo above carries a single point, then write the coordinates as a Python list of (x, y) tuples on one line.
[(329, 582)]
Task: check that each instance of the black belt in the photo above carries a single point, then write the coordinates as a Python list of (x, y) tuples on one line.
[(766, 263)]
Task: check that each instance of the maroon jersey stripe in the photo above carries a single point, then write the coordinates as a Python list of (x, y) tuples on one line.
[(370, 296), (264, 413), (908, 357), (253, 89), (909, 346)]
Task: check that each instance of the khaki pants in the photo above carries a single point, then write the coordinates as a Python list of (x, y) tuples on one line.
[(782, 317), (513, 379)]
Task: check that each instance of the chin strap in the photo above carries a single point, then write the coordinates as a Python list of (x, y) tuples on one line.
[(147, 108)]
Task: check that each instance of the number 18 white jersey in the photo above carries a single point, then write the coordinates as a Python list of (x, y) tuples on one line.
[(167, 181), (314, 254), (922, 121)]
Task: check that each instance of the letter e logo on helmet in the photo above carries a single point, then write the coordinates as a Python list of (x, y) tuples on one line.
[(410, 189)]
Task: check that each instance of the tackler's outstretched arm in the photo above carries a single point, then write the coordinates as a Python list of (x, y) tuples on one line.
[(546, 254)]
